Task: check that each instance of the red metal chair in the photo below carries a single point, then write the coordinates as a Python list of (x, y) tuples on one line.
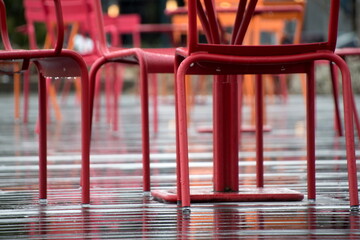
[(149, 60), (53, 63), (78, 17), (226, 60)]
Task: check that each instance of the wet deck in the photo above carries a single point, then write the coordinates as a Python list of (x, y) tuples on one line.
[(120, 210)]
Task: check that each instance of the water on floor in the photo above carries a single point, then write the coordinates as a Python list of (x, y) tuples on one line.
[(119, 209)]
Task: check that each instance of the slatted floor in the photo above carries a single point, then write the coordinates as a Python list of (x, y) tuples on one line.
[(120, 210)]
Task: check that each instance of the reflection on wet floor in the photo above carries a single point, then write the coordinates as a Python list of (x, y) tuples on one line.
[(119, 209)]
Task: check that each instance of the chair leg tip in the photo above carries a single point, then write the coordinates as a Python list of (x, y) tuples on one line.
[(311, 200), (186, 210), (354, 208), (43, 201), (146, 193), (85, 205)]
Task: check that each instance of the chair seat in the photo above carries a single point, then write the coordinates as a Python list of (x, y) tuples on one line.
[(347, 51), (209, 64), (158, 60), (59, 67)]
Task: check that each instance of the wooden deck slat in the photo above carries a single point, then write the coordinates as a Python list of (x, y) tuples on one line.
[(119, 209)]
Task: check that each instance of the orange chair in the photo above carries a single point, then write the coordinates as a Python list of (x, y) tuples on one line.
[(54, 63)]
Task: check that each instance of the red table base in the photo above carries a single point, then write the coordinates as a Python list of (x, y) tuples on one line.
[(245, 195), (244, 128)]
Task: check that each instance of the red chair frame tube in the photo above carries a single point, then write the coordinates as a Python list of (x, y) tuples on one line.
[(309, 57)]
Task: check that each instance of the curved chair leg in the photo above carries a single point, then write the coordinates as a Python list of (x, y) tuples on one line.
[(349, 133), (116, 83), (86, 114), (335, 87), (85, 131), (97, 97), (144, 95), (154, 81), (144, 111), (259, 100), (26, 96), (310, 126), (240, 79), (109, 91), (42, 137), (178, 171), (16, 91), (183, 138), (93, 81)]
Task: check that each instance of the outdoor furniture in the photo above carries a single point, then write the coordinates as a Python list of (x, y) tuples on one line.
[(52, 63), (227, 60), (78, 19)]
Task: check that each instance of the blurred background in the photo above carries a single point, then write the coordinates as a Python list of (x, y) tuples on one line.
[(152, 11)]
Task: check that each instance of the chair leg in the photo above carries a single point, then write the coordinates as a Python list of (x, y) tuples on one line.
[(109, 91), (310, 125), (259, 131), (182, 139), (116, 83), (349, 134), (17, 92), (144, 95), (26, 96), (42, 137), (240, 105), (154, 81), (178, 171), (86, 116), (97, 98), (335, 85)]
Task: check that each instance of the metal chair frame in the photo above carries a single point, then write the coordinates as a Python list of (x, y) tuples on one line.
[(220, 59)]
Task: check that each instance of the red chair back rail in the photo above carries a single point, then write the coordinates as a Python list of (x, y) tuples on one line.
[(246, 9)]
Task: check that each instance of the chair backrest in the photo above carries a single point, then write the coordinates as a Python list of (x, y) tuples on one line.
[(123, 24), (43, 6), (87, 13), (43, 11), (207, 13)]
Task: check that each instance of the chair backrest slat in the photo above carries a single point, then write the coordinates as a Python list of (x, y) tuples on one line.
[(4, 30), (39, 10), (245, 11), (213, 21), (44, 11), (245, 22), (238, 19)]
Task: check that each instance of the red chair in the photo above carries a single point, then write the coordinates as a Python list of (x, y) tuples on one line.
[(78, 17), (149, 61), (53, 63), (226, 60)]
